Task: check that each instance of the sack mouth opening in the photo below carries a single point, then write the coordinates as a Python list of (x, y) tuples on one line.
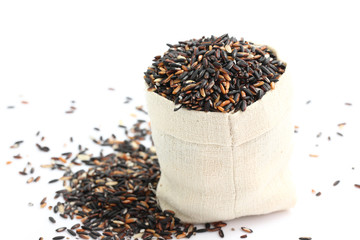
[(178, 106)]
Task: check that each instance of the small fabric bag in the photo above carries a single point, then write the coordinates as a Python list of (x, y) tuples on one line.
[(220, 166)]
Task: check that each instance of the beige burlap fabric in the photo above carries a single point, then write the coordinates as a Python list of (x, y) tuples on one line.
[(220, 166)]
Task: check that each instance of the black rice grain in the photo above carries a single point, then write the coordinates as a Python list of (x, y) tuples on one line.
[(53, 181), (42, 148), (77, 225), (245, 229), (60, 229), (221, 233), (58, 237), (336, 183), (52, 220), (71, 232)]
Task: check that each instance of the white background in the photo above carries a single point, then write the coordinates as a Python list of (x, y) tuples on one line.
[(53, 52)]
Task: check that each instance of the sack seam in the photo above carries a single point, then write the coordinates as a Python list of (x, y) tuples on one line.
[(161, 131), (233, 165)]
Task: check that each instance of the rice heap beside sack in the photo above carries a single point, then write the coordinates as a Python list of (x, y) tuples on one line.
[(219, 163)]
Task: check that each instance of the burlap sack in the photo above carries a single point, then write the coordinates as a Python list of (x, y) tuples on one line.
[(220, 166)]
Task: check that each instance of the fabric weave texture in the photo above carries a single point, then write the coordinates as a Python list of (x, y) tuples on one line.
[(220, 166)]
